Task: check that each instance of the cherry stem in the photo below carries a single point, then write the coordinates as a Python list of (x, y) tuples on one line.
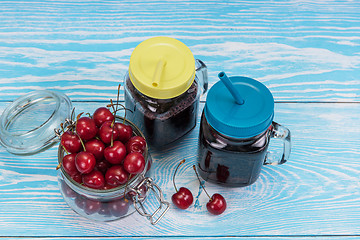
[(118, 104), (117, 98), (72, 116), (78, 116), (197, 175), (175, 173), (58, 166), (112, 105), (112, 133), (81, 141), (65, 149)]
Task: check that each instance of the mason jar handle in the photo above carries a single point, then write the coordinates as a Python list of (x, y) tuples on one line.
[(202, 74), (282, 133), (139, 201)]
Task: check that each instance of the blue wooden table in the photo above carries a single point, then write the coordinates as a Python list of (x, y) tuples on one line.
[(306, 52)]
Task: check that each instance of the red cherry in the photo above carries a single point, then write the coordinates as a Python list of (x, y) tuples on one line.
[(102, 166), (108, 132), (80, 201), (86, 128), (136, 144), (85, 162), (68, 164), (96, 147), (91, 206), (107, 186), (115, 154), (125, 132), (216, 204), (141, 191), (104, 210), (134, 163), (94, 179), (67, 191), (71, 142), (116, 175), (77, 178), (119, 208), (102, 115), (182, 198)]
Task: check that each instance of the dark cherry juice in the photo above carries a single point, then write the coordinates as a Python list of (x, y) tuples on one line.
[(228, 161), (162, 121)]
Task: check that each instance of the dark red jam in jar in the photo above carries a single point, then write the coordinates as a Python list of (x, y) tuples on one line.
[(235, 133), (162, 89), (230, 161), (172, 117)]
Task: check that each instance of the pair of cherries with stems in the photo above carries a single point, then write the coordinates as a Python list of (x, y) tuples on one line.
[(183, 197)]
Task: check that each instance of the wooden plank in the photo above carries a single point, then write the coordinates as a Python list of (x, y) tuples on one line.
[(301, 50), (206, 238), (315, 194)]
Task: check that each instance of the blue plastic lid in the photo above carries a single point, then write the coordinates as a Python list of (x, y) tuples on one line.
[(235, 120)]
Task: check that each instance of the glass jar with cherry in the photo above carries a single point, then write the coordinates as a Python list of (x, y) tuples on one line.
[(104, 166)]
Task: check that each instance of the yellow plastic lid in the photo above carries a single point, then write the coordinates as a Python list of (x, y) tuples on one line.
[(162, 67)]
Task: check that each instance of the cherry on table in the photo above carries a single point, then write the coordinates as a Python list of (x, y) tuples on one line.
[(216, 204), (101, 115), (71, 142), (85, 162), (116, 153), (86, 128), (134, 163), (183, 197)]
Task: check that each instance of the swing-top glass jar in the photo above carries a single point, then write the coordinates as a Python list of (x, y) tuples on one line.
[(235, 131), (106, 205), (162, 89)]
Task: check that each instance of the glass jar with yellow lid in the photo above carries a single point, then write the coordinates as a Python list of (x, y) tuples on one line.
[(162, 89)]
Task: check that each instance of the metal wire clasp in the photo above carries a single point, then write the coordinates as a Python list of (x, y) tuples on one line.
[(140, 200)]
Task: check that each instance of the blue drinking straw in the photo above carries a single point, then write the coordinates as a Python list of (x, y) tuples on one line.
[(230, 86)]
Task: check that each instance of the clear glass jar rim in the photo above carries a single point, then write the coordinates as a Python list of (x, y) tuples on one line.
[(32, 139)]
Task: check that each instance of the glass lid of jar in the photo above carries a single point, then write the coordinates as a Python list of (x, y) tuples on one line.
[(27, 124)]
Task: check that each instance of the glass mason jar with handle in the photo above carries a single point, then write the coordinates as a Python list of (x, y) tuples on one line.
[(162, 89), (235, 132)]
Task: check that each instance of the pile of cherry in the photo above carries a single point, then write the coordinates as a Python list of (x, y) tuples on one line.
[(102, 153)]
